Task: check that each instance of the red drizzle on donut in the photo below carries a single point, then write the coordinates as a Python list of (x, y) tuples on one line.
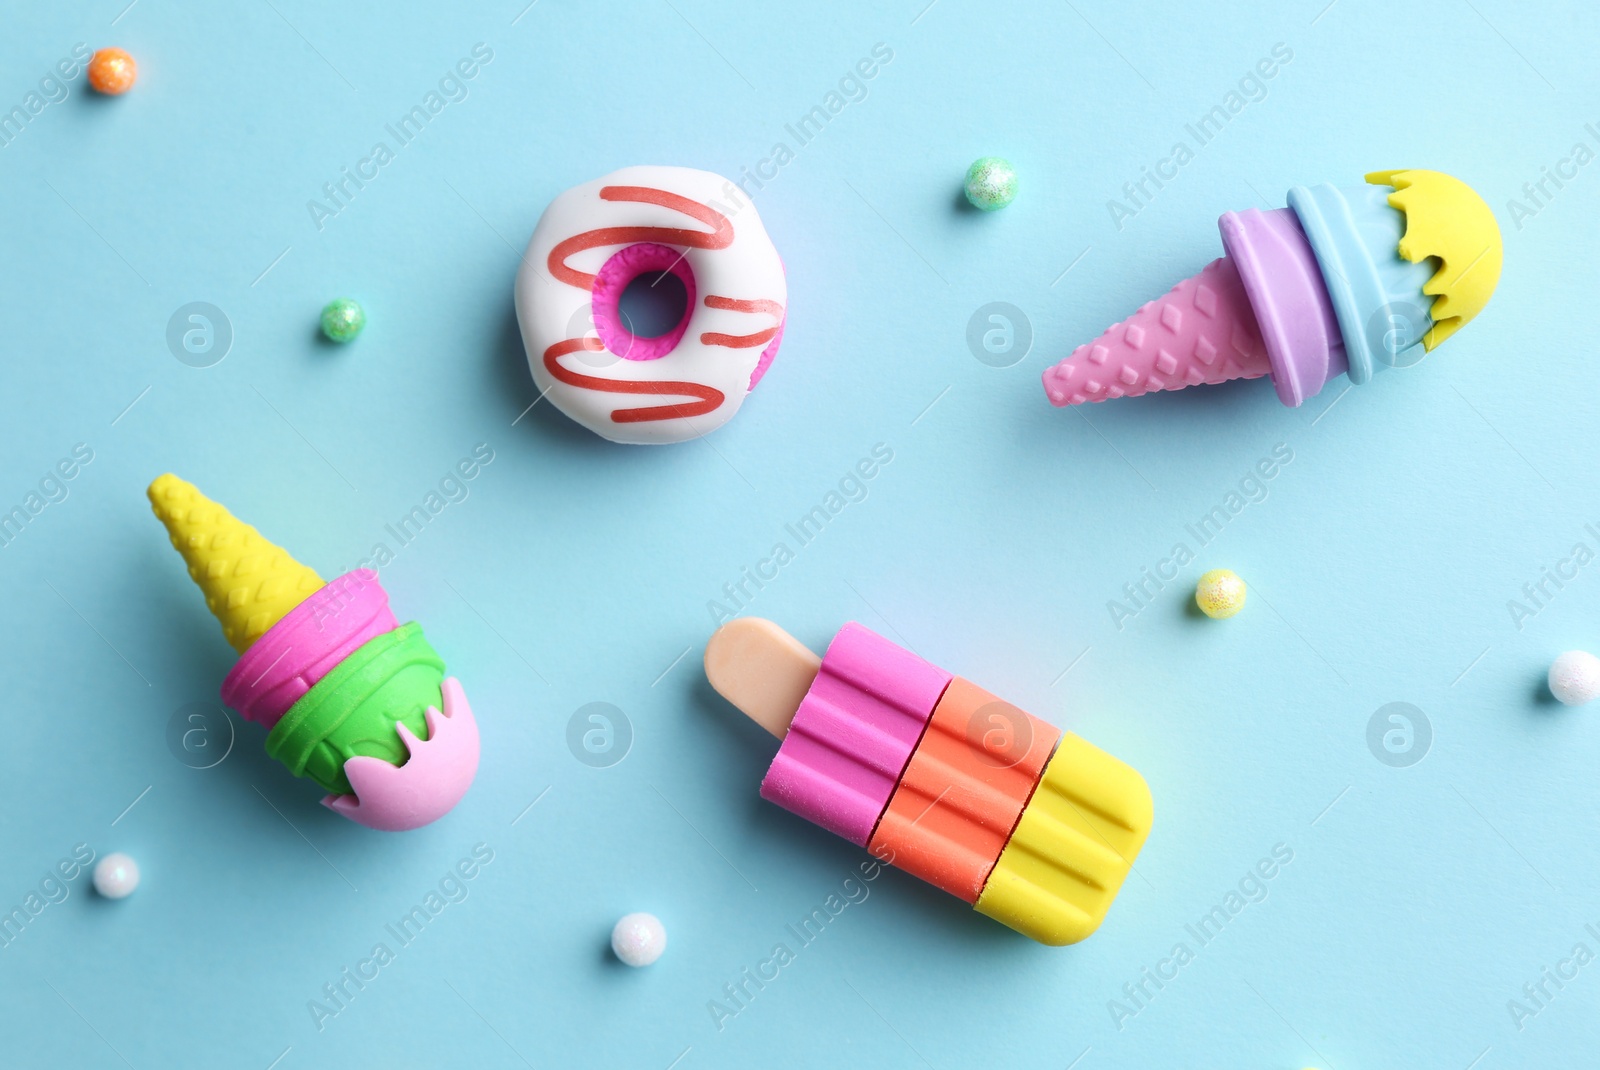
[(743, 341), (708, 397), (721, 235)]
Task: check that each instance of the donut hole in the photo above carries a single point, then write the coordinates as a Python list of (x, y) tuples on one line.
[(653, 304), (642, 300)]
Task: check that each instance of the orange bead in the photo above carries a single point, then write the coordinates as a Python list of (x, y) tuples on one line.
[(112, 71)]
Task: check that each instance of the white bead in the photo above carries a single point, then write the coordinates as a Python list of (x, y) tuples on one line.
[(116, 876), (1575, 677), (639, 939)]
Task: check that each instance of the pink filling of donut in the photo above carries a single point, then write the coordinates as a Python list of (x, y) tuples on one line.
[(772, 347), (615, 275), (766, 357), (621, 269)]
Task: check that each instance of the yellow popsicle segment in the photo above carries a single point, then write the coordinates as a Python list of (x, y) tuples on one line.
[(1072, 848), (249, 583)]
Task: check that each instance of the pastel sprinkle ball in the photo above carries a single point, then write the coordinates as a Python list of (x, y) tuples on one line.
[(991, 183), (342, 320), (1220, 593), (639, 939), (1575, 677), (116, 876), (112, 71)]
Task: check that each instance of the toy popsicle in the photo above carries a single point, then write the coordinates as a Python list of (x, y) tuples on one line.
[(1034, 827), (1346, 279), (351, 697)]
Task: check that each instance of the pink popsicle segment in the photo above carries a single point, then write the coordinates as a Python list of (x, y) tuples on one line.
[(303, 647), (854, 733), (1202, 331)]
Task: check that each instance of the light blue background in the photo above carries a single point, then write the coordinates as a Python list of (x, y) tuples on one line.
[(1419, 900)]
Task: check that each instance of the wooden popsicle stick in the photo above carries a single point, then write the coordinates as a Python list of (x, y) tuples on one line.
[(761, 669)]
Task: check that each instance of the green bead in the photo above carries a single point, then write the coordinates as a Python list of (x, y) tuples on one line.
[(342, 320), (991, 183)]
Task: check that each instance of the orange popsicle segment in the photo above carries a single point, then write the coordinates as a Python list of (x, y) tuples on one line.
[(963, 790)]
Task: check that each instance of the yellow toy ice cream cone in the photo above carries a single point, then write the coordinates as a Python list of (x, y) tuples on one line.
[(249, 582), (353, 699)]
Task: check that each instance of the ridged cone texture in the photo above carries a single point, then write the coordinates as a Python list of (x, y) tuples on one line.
[(249, 583), (1202, 331)]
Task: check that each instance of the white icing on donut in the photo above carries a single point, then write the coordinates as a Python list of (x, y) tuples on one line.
[(650, 390)]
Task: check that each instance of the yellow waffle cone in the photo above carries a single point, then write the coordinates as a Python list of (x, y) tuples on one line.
[(249, 583)]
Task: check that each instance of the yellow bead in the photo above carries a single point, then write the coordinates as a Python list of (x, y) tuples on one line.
[(1220, 593)]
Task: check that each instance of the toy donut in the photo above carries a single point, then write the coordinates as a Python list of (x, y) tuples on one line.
[(593, 241)]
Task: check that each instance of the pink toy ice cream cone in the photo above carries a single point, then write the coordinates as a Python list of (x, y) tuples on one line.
[(1343, 281)]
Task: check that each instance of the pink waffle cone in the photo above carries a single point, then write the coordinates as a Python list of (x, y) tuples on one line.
[(1202, 331)]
